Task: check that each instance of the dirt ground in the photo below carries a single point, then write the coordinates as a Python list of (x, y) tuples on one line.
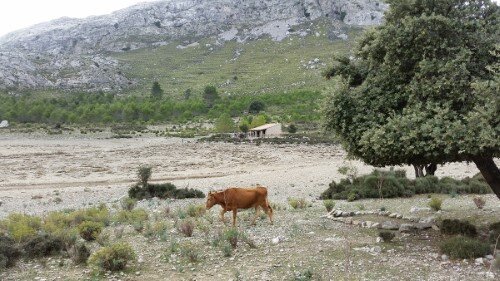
[(46, 173)]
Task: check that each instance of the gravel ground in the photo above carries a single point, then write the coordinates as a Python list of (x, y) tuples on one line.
[(45, 173)]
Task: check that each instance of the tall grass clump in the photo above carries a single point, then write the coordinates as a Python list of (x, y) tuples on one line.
[(435, 203), (460, 247)]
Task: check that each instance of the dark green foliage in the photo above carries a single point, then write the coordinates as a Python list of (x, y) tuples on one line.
[(387, 236), (144, 174), (95, 108), (164, 190), (460, 247), (89, 230), (453, 227), (292, 129), (427, 90), (210, 96), (390, 184), (42, 245), (495, 233), (256, 107), (156, 91), (9, 253)]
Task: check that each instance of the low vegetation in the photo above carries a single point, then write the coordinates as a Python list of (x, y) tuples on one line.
[(112, 258), (386, 236), (461, 247), (394, 183), (90, 230), (435, 203), (454, 227)]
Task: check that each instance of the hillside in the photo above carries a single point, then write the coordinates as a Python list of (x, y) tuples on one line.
[(240, 46)]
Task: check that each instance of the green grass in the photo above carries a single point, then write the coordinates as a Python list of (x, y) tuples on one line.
[(262, 65)]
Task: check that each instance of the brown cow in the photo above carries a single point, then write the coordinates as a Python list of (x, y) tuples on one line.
[(232, 199)]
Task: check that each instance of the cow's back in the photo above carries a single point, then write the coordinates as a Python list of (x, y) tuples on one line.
[(243, 198)]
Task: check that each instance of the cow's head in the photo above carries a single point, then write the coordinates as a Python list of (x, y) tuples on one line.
[(211, 199)]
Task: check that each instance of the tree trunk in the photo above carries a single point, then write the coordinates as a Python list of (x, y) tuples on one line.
[(490, 172), (430, 169), (419, 171)]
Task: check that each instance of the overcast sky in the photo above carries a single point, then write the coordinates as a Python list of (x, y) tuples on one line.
[(17, 14)]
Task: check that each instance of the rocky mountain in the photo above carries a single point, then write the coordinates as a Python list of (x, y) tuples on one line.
[(78, 53)]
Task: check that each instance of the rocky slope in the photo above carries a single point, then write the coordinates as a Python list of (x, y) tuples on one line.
[(74, 53)]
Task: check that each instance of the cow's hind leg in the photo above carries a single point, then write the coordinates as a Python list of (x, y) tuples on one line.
[(257, 211), (269, 211)]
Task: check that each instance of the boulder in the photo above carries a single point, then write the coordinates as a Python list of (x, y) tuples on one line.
[(406, 227), (390, 225), (4, 124)]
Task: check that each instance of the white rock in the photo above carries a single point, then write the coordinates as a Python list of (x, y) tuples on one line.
[(4, 124), (419, 209), (489, 257), (379, 240), (479, 261)]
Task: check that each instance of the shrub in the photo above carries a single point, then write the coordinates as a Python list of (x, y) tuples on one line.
[(479, 202), (304, 276), (300, 203), (386, 236), (186, 227), (131, 217), (495, 233), (227, 249), (435, 203), (453, 226), (190, 252), (394, 183), (21, 227), (144, 174), (231, 236), (156, 230), (329, 204), (128, 203), (292, 129), (89, 230), (9, 253), (460, 247), (113, 258), (256, 106), (163, 191), (196, 210), (79, 253), (42, 245)]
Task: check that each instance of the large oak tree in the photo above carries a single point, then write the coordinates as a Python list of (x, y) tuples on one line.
[(423, 88)]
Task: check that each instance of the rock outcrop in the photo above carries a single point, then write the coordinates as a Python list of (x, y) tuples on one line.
[(71, 53)]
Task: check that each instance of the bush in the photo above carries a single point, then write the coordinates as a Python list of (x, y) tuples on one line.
[(495, 233), (9, 253), (460, 247), (300, 203), (144, 174), (166, 190), (21, 227), (190, 252), (112, 258), (79, 253), (292, 129), (42, 245), (196, 210), (231, 236), (131, 217), (89, 230), (329, 204), (453, 227), (386, 236), (394, 183), (479, 202), (435, 203), (186, 227), (128, 203)]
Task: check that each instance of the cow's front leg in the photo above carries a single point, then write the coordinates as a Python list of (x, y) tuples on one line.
[(235, 212), (222, 212)]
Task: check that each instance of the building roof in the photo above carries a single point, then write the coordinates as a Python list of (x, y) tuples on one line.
[(264, 127)]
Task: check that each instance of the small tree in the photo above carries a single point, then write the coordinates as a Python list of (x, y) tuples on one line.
[(256, 107), (244, 127), (259, 120), (210, 96), (144, 174), (156, 91), (224, 124)]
